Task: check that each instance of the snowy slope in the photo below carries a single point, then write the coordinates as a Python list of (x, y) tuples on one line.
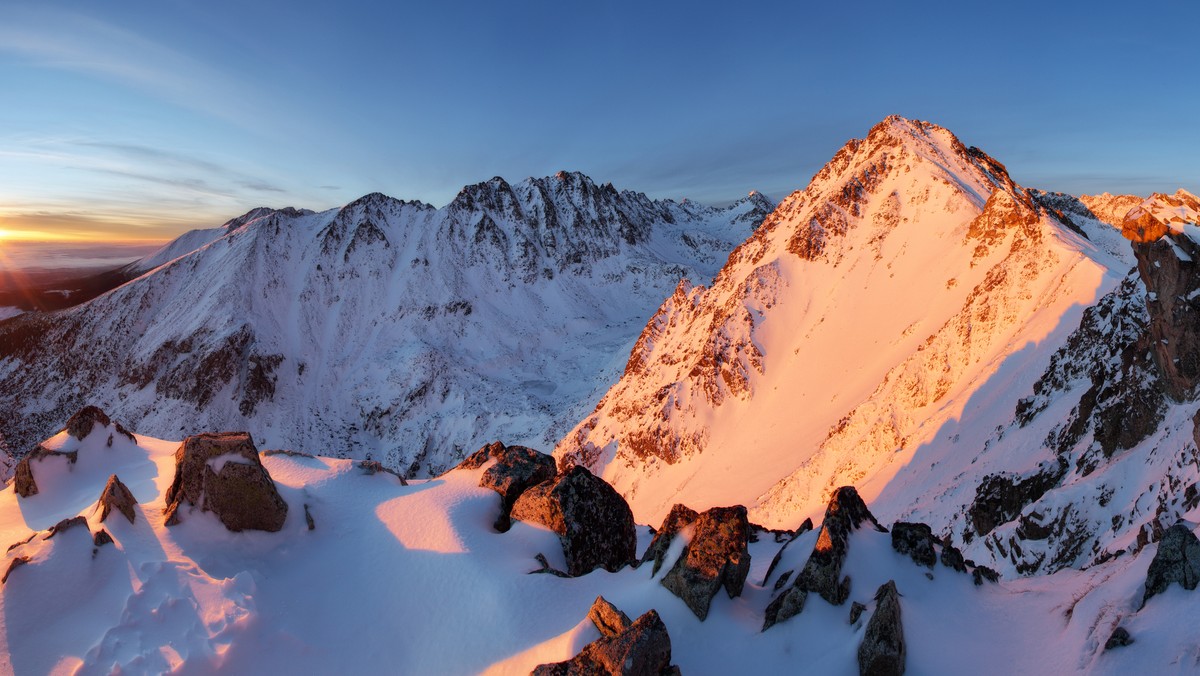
[(192, 240), (397, 579), (912, 285), (383, 328)]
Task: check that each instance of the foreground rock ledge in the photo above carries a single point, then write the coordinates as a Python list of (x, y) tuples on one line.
[(221, 473)]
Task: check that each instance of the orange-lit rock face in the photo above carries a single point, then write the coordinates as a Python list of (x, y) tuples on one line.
[(1160, 214), (1141, 226)]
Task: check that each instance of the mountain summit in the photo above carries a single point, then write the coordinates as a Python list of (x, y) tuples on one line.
[(867, 313)]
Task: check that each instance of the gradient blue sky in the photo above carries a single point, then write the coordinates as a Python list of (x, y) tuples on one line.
[(140, 119)]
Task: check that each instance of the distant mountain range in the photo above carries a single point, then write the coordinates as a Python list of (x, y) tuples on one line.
[(385, 328)]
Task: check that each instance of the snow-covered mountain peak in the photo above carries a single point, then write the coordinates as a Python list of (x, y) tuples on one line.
[(865, 310), (384, 327)]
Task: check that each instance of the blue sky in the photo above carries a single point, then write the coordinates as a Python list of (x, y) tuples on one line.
[(139, 119)]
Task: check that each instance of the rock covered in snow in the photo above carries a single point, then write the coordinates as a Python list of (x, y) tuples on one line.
[(517, 468), (822, 572), (715, 557), (642, 649), (1176, 561), (592, 520), (222, 473), (116, 496), (881, 652)]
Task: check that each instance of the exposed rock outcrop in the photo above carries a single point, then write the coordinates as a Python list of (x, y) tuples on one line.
[(1167, 266), (593, 521), (916, 541), (717, 556), (644, 648), (24, 482), (66, 525), (676, 520), (822, 572), (13, 565), (517, 469), (609, 619), (99, 539), (221, 473), (804, 528), (981, 574), (881, 652), (81, 424), (1119, 639), (116, 496), (1177, 560)]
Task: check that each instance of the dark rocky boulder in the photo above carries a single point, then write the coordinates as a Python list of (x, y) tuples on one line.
[(822, 572), (680, 517), (981, 574), (916, 541), (221, 473), (952, 557), (609, 619), (717, 556), (99, 539), (644, 648), (593, 521), (24, 483), (116, 496), (856, 611), (881, 652), (1119, 639), (517, 469), (1177, 560), (81, 424)]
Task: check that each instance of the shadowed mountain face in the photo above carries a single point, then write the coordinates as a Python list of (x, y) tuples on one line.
[(385, 328)]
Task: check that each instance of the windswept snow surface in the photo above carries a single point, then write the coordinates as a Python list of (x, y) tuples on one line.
[(414, 579)]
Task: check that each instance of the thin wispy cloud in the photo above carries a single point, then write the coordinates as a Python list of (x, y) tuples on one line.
[(53, 37)]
